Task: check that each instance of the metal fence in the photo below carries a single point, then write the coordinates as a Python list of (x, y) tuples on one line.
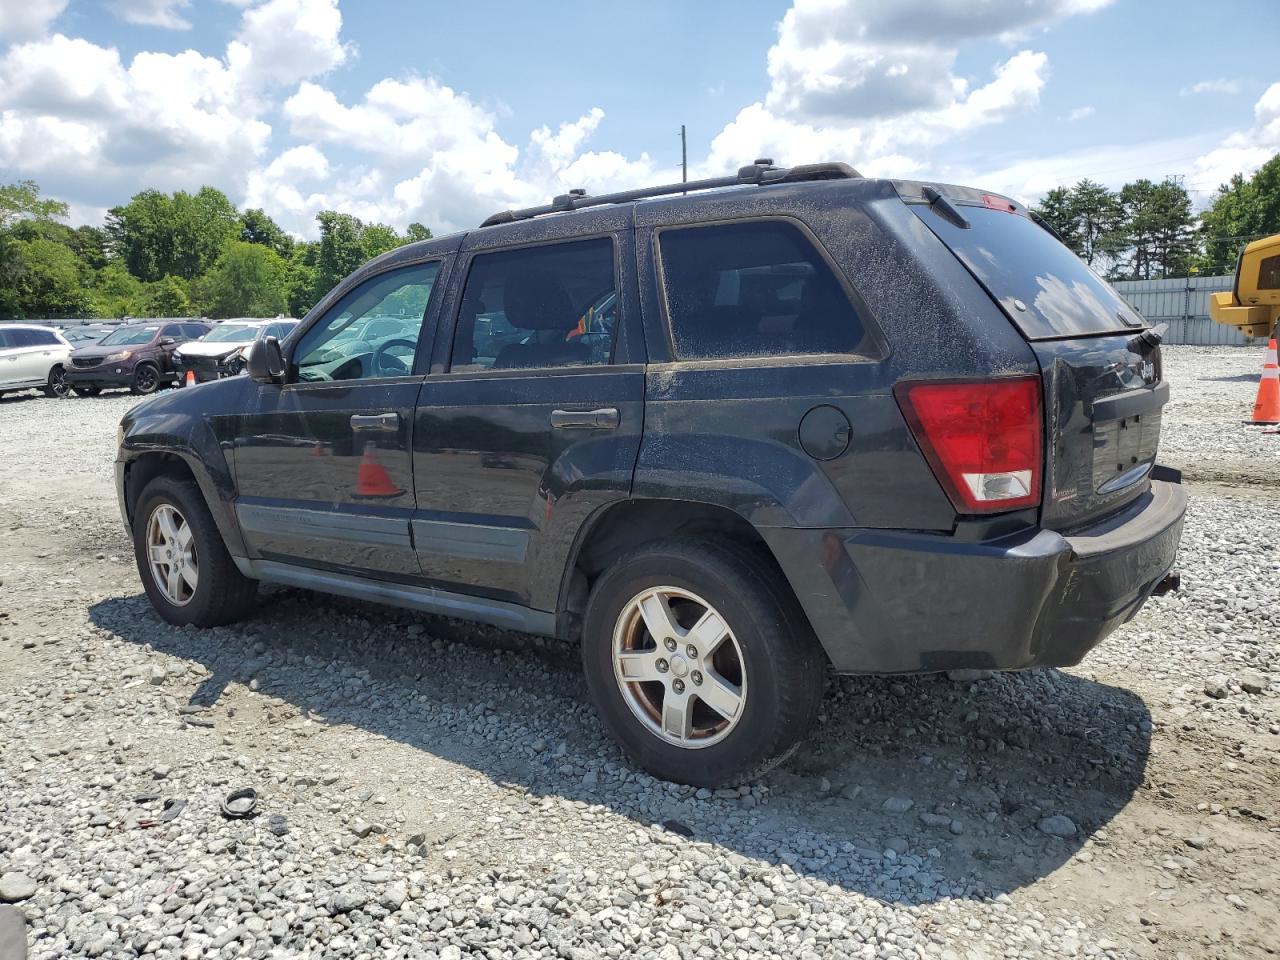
[(1182, 303)]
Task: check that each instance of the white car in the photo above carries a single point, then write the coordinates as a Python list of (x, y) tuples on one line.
[(221, 351), (33, 357)]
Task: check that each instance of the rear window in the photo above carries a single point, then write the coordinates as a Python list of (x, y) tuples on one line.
[(752, 289), (1045, 288)]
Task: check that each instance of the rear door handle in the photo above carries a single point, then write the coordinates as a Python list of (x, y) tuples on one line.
[(606, 418), (382, 422)]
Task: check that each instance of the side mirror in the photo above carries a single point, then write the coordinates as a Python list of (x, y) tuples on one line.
[(167, 341), (265, 362)]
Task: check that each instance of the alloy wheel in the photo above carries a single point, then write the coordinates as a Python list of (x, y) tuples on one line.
[(58, 383), (171, 554), (679, 667)]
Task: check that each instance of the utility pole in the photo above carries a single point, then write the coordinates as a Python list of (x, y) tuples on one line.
[(684, 156)]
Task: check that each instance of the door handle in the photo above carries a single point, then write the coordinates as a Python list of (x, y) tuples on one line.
[(606, 418), (383, 422)]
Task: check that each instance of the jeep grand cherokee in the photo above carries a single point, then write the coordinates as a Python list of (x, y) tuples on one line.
[(724, 434)]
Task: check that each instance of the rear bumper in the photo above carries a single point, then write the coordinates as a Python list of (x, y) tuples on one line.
[(889, 602)]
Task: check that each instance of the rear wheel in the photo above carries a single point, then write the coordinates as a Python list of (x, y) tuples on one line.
[(86, 390), (146, 379), (184, 565), (700, 662), (57, 386)]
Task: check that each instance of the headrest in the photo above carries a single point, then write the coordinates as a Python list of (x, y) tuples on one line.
[(536, 301)]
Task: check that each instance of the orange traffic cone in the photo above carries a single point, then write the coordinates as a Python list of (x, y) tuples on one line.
[(373, 480), (191, 378), (1266, 409)]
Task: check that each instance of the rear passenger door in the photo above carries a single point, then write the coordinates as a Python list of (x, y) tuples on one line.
[(531, 417), (25, 357)]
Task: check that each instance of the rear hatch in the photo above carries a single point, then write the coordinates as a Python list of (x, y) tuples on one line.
[(1104, 389)]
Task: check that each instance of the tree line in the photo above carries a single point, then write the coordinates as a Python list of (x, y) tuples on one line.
[(170, 255), (1148, 230)]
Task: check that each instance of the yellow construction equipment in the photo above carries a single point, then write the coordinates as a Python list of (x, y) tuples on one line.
[(1254, 304)]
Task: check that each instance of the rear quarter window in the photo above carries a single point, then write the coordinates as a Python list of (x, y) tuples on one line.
[(1044, 288), (753, 289)]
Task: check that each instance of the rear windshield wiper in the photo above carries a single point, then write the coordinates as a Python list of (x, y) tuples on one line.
[(944, 208)]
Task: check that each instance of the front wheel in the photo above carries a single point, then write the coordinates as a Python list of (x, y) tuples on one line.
[(58, 385), (146, 379), (700, 662), (185, 568)]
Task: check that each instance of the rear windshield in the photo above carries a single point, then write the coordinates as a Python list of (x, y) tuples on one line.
[(1044, 287)]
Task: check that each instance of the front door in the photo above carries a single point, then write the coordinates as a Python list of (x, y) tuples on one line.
[(323, 461), (533, 420)]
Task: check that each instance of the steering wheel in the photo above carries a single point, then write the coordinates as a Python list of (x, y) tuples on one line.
[(379, 360)]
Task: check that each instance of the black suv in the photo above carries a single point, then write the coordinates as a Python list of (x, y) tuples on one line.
[(137, 355), (724, 433)]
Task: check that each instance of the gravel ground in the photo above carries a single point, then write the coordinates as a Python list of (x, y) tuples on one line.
[(435, 790)]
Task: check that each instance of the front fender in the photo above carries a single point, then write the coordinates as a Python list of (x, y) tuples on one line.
[(156, 435)]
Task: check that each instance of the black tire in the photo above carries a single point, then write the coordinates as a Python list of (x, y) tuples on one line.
[(58, 386), (146, 379), (784, 667), (222, 593), (86, 390)]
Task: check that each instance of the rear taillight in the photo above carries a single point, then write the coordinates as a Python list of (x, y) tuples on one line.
[(984, 439)]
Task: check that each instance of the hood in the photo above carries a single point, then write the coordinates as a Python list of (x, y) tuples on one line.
[(218, 348), (96, 351)]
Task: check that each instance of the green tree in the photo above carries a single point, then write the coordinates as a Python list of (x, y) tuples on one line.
[(50, 282), (116, 292), (300, 278), (341, 249), (416, 233), (247, 280), (156, 234), (1157, 237), (21, 200), (1243, 209), (1088, 217), (167, 297), (257, 227)]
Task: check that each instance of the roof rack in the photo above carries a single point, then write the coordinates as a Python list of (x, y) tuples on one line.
[(760, 173)]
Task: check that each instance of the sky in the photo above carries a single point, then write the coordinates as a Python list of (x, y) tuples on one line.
[(443, 113)]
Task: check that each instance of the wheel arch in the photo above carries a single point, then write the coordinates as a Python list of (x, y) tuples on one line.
[(621, 527), (146, 466)]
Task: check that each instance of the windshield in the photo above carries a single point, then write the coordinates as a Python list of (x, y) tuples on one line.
[(128, 336), (227, 332), (1044, 288)]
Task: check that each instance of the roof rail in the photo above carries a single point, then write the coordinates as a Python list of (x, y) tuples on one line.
[(760, 173)]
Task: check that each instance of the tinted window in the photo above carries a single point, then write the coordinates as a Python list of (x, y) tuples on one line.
[(23, 338), (1269, 274), (549, 306), (372, 331), (45, 338), (4, 339), (753, 289), (195, 330), (1020, 262)]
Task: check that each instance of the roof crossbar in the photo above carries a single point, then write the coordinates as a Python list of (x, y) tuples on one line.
[(760, 173)]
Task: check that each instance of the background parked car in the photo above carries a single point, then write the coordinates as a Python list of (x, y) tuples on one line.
[(221, 351), (83, 335), (33, 357), (135, 355)]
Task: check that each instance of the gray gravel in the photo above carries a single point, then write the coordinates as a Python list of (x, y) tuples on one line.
[(429, 789)]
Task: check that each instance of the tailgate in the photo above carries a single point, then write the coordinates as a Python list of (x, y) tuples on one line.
[(1103, 402)]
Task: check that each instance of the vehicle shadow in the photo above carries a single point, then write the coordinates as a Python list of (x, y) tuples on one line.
[(982, 762)]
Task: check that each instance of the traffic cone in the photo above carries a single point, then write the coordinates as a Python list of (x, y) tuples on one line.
[(1266, 409), (191, 378), (372, 480)]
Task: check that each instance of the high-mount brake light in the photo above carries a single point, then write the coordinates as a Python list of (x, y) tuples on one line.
[(984, 439)]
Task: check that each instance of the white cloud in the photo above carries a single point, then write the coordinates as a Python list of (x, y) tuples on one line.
[(153, 13), (22, 19), (1220, 85), (840, 60), (1080, 113), (1245, 150), (92, 126)]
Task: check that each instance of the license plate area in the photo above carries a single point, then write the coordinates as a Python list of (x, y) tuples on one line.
[(1124, 450)]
